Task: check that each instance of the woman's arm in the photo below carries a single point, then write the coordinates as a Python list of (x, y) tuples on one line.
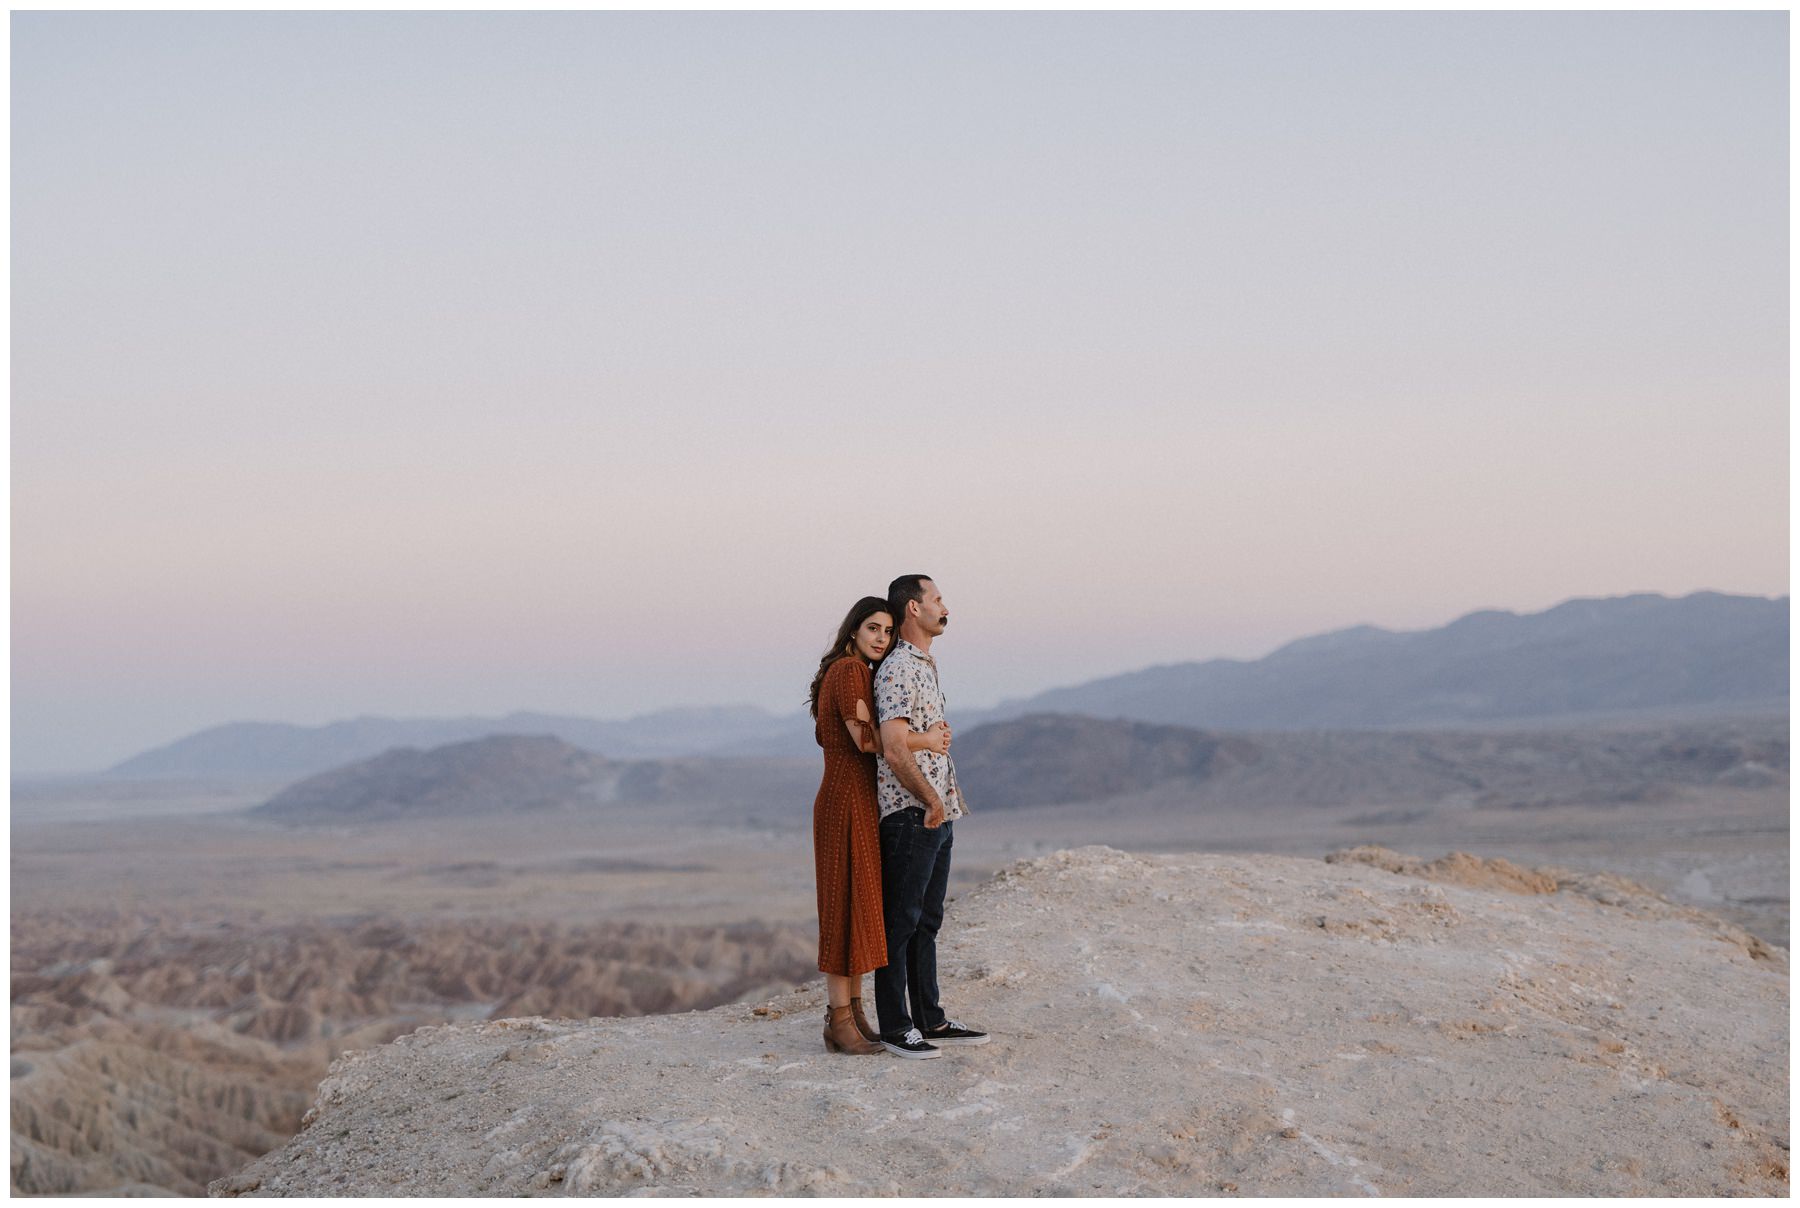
[(848, 692), (863, 735), (862, 731), (862, 727)]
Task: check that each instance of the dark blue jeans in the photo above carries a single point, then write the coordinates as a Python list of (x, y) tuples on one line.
[(915, 871)]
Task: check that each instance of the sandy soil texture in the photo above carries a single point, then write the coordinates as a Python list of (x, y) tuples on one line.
[(1176, 1025)]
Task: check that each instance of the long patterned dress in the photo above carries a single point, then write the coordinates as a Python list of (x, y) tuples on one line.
[(846, 828)]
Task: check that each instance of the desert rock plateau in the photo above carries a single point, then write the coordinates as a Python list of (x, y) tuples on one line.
[(187, 962), (1369, 1024)]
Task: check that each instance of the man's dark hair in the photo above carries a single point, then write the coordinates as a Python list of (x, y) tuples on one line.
[(906, 587)]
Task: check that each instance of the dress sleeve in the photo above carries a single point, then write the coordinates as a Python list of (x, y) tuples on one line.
[(851, 686)]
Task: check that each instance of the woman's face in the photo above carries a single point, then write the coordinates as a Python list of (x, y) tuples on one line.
[(873, 636)]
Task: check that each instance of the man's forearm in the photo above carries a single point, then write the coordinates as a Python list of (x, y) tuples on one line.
[(906, 771)]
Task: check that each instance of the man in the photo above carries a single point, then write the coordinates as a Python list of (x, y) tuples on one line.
[(919, 805)]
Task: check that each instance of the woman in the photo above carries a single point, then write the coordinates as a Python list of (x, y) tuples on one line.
[(846, 820)]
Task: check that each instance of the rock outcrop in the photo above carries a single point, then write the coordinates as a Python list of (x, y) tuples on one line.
[(1182, 1025)]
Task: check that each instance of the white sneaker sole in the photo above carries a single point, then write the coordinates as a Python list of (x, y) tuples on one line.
[(958, 1040), (897, 1051)]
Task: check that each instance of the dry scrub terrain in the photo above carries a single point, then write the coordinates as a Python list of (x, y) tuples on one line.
[(163, 1052)]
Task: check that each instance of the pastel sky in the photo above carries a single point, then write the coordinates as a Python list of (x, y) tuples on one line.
[(435, 364)]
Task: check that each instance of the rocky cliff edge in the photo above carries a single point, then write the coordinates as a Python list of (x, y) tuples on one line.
[(1371, 1023)]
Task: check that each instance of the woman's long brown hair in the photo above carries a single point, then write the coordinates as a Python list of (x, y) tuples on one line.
[(859, 612)]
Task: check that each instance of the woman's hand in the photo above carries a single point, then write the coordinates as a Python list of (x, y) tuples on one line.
[(935, 739)]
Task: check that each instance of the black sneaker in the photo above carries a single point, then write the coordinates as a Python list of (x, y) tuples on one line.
[(954, 1033), (910, 1045)]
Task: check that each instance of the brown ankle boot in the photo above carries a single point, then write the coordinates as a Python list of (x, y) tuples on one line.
[(841, 1035), (862, 1025)]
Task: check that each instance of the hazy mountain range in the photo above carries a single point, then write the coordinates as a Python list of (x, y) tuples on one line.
[(1048, 759), (1583, 658), (528, 773), (1580, 658), (276, 748)]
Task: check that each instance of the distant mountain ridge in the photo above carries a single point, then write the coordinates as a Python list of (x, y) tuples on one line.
[(498, 771), (517, 774), (278, 748), (1047, 759), (1698, 653), (1584, 656)]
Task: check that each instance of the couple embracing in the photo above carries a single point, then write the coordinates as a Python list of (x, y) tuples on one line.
[(883, 823)]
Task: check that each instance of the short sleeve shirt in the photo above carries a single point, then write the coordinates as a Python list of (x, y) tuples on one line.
[(906, 685)]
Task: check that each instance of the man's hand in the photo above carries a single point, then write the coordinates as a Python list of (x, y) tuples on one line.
[(934, 815)]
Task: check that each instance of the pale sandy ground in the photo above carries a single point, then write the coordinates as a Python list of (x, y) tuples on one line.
[(1174, 1025)]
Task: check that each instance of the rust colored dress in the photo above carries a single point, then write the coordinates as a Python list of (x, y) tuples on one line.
[(846, 828)]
